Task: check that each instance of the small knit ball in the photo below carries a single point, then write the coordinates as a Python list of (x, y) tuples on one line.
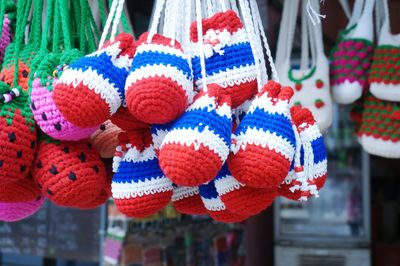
[(13, 212), (91, 90), (47, 115), (160, 83), (264, 142), (197, 145), (187, 200), (105, 139), (229, 60), (241, 199), (69, 173), (215, 207), (22, 190), (17, 138), (139, 187), (126, 121)]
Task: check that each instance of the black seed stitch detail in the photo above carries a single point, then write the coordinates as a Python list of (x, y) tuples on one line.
[(96, 169), (39, 164), (66, 149), (44, 116), (49, 192), (25, 73), (33, 144), (1, 163), (82, 157), (19, 154), (72, 176), (12, 137), (22, 168), (103, 127), (53, 170), (57, 126), (33, 106)]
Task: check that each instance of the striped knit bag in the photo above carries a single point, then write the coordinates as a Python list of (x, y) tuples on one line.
[(91, 89), (384, 75), (105, 139), (263, 145), (350, 59), (47, 115), (308, 171), (229, 61), (13, 212), (160, 83), (197, 145), (215, 206), (187, 200), (241, 199), (22, 190), (139, 187), (379, 133), (69, 173)]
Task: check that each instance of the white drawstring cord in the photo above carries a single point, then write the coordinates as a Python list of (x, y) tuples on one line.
[(109, 20), (313, 14), (117, 19), (200, 44), (156, 19)]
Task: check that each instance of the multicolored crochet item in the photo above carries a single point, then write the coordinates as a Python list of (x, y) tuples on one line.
[(91, 89), (47, 115), (22, 190), (13, 212), (70, 174), (308, 171), (215, 207), (139, 187), (105, 139), (263, 145), (197, 145), (160, 83), (379, 133), (241, 199), (384, 75), (187, 200), (229, 60), (350, 61)]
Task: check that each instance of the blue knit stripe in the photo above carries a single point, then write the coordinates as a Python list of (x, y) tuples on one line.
[(142, 171), (224, 172), (236, 55), (208, 191), (319, 150), (157, 58), (200, 118), (274, 123), (104, 67)]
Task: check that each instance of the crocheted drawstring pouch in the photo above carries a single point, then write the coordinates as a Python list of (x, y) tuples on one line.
[(263, 145), (350, 59), (50, 67), (311, 79), (379, 133), (91, 90), (187, 200), (384, 76), (22, 190), (139, 187), (308, 171), (8, 12), (229, 60), (105, 139), (14, 212), (17, 127), (239, 198), (69, 173), (197, 145), (160, 83), (215, 207)]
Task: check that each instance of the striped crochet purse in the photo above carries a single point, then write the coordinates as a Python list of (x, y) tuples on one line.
[(187, 200)]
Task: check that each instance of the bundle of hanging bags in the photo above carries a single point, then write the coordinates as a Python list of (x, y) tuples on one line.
[(187, 112)]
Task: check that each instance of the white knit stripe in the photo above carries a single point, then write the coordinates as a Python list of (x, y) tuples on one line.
[(310, 133), (207, 138), (113, 50), (124, 61), (214, 204), (226, 38), (180, 193), (231, 77), (136, 156), (265, 103), (160, 48), (90, 78), (209, 103), (263, 139), (128, 190), (158, 137), (319, 169), (150, 71), (227, 184), (224, 110)]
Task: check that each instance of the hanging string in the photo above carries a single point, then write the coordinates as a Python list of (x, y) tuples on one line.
[(223, 4), (108, 23), (117, 19), (234, 6), (156, 19), (314, 14), (200, 44)]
